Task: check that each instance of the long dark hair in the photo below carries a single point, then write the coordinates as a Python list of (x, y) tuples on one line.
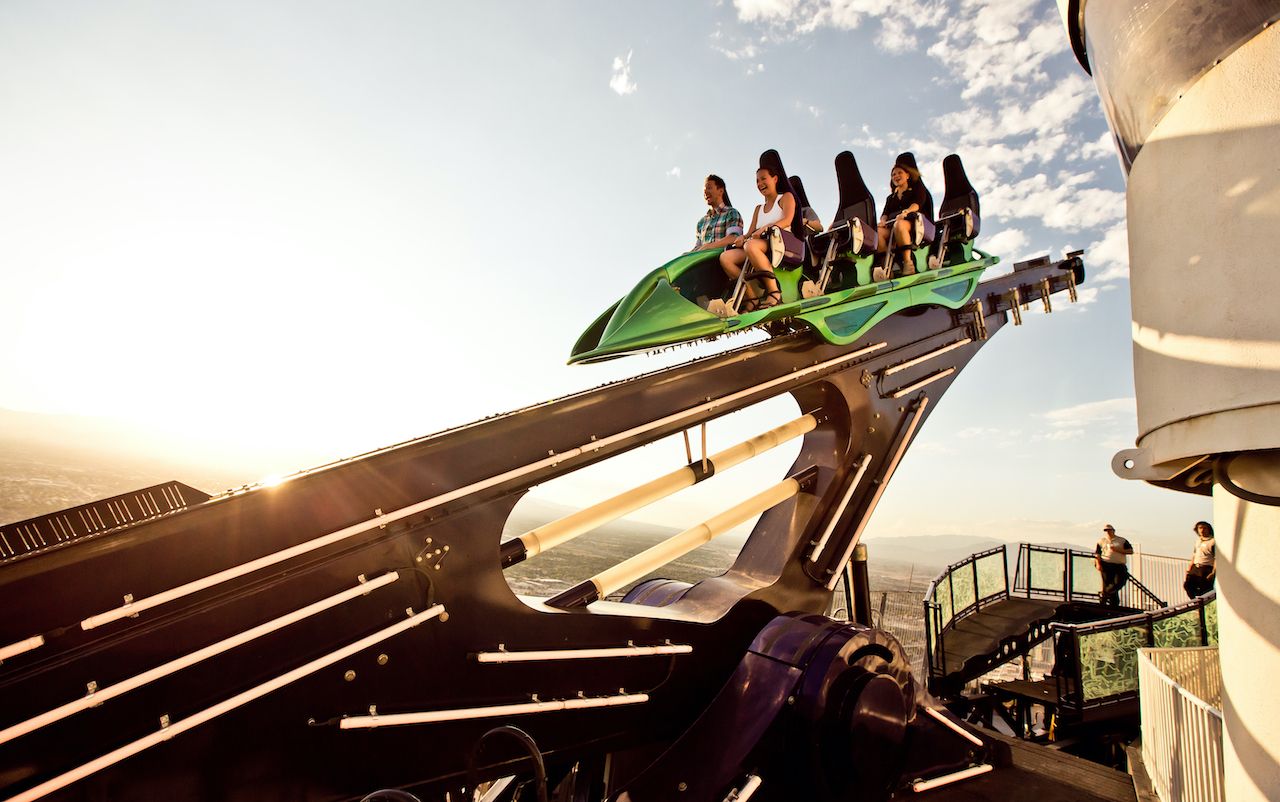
[(719, 182), (913, 175)]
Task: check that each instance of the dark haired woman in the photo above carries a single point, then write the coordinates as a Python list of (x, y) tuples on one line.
[(777, 210), (906, 195), (722, 223), (1201, 572)]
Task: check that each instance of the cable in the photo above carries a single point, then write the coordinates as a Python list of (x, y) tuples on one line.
[(1221, 468), (526, 740)]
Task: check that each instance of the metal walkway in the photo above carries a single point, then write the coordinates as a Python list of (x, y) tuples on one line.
[(975, 621)]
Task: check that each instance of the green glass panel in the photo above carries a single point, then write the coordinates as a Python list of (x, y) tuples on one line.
[(1109, 661), (1084, 575), (991, 575), (1182, 629), (1046, 571), (944, 600), (845, 323), (1211, 621), (962, 585)]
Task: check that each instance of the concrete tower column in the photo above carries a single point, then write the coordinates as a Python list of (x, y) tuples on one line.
[(1192, 94), (1248, 545)]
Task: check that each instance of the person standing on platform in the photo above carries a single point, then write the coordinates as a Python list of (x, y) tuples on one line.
[(1201, 572), (1111, 556)]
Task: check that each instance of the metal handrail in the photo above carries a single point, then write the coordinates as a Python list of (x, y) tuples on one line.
[(935, 627), (1071, 685), (1024, 583)]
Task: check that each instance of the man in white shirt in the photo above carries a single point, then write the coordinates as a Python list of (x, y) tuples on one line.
[(1111, 557), (1201, 572)]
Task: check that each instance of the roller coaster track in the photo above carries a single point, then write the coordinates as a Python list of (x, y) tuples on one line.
[(351, 628)]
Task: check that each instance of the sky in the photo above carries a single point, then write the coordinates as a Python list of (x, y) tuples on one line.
[(271, 235)]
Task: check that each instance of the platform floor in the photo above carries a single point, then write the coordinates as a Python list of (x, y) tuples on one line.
[(1038, 774), (982, 632)]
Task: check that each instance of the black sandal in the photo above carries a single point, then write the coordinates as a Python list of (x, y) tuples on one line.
[(769, 300)]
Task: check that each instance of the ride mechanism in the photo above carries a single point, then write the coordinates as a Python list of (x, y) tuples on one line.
[(350, 629)]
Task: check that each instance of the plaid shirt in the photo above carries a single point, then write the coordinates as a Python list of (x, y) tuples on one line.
[(719, 223)]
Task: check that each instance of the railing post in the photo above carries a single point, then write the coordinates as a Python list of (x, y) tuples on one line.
[(1027, 551), (1066, 575), (1071, 577), (928, 639), (1078, 673), (1204, 625), (977, 593), (1004, 563)]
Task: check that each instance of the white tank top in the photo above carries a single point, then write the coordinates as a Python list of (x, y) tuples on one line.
[(764, 218)]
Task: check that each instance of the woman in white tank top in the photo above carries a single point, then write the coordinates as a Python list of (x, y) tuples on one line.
[(777, 210)]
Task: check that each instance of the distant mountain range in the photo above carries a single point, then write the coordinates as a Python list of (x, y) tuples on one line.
[(51, 462)]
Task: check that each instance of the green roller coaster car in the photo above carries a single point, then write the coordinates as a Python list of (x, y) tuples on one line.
[(670, 305)]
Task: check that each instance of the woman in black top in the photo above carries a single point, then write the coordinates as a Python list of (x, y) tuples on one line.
[(907, 195)]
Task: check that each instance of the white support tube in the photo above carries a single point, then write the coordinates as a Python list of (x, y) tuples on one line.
[(880, 488), (632, 568), (137, 681), (458, 714), (839, 510), (210, 713), (889, 371), (164, 597), (580, 654), (747, 791), (556, 532), (927, 380), (956, 728), (496, 788), (937, 782), (21, 647)]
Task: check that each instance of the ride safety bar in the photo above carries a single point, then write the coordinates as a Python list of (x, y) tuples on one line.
[(536, 541), (674, 547)]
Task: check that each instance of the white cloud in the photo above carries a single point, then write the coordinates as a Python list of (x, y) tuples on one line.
[(1092, 413), (1061, 203), (621, 81), (764, 10), (1008, 244), (867, 140), (1059, 435), (985, 45), (1084, 297), (1101, 148), (1108, 258), (1050, 113), (899, 19), (674, 172)]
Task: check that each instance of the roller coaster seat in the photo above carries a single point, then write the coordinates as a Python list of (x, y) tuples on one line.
[(853, 227), (771, 160), (959, 212)]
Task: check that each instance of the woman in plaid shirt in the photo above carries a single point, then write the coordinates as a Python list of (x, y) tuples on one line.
[(722, 223)]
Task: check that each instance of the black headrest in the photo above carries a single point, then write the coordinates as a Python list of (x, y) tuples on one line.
[(797, 187), (855, 199), (773, 161), (959, 194), (802, 203), (908, 158)]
